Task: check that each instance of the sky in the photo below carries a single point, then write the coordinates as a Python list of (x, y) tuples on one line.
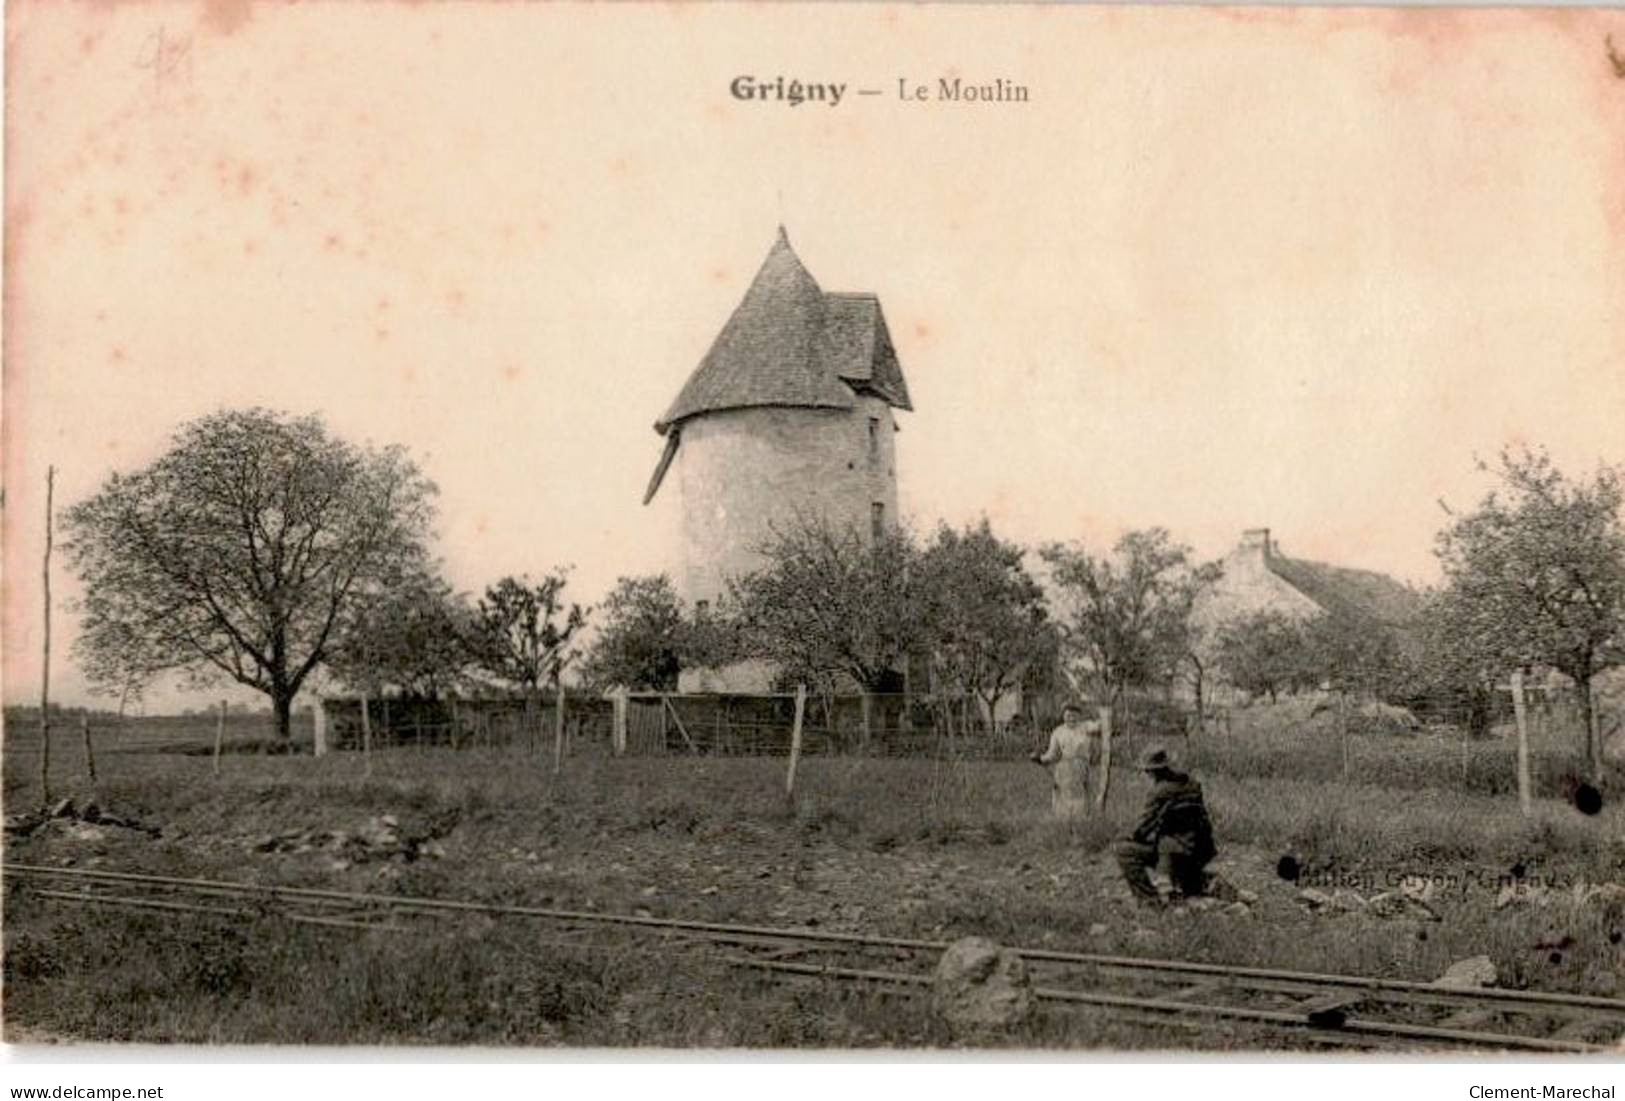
[(1225, 268)]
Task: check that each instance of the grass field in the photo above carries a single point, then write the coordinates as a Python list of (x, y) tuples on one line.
[(908, 847)]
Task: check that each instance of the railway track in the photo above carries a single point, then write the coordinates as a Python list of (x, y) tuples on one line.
[(1298, 1007)]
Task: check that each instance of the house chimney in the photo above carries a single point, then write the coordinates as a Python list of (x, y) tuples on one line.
[(1257, 539)]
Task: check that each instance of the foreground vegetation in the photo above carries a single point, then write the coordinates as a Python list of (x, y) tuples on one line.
[(910, 847)]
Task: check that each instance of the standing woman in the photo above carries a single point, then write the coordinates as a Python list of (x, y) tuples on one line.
[(1070, 753)]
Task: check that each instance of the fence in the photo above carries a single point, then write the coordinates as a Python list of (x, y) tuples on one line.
[(881, 724), (414, 723)]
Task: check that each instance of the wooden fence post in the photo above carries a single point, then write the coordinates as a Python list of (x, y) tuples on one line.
[(795, 742), (319, 727), (617, 736), (558, 729), (1343, 730), (45, 667), (1521, 717), (90, 752), (678, 719), (219, 735), (1105, 757), (366, 735)]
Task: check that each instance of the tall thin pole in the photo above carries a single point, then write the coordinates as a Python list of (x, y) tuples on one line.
[(1105, 758), (366, 736), (558, 724), (1520, 714), (795, 741), (90, 750), (45, 672), (219, 735)]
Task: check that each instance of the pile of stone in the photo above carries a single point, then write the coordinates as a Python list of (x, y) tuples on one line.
[(1540, 894), (1407, 902), (378, 838), (89, 823), (1224, 895)]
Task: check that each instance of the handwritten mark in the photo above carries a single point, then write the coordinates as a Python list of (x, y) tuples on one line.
[(1614, 58), (166, 56)]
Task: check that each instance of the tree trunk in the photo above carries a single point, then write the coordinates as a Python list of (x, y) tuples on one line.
[(281, 690), (989, 703), (1588, 714), (866, 707), (282, 706)]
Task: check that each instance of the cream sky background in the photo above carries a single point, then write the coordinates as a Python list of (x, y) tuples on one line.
[(1226, 269)]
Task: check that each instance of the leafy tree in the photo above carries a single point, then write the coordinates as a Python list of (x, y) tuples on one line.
[(237, 554), (1449, 671), (1536, 574), (639, 644), (1351, 655), (713, 637), (1262, 653), (1125, 619), (522, 632), (414, 636), (985, 615), (830, 604)]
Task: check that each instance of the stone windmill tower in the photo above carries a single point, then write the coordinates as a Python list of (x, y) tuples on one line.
[(789, 413)]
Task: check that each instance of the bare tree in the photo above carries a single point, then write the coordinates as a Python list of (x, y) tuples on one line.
[(236, 554)]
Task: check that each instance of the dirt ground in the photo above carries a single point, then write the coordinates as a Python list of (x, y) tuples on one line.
[(886, 849)]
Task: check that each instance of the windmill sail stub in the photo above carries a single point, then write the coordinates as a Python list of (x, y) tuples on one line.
[(661, 467)]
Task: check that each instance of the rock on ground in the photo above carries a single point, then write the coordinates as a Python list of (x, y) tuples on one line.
[(1470, 973), (1314, 899), (981, 985), (1396, 904)]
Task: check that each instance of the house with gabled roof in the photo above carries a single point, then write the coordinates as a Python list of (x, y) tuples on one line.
[(1259, 578), (789, 414)]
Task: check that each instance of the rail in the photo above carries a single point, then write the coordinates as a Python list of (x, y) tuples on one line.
[(1317, 1008)]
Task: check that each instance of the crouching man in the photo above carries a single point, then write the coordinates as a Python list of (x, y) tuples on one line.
[(1176, 822)]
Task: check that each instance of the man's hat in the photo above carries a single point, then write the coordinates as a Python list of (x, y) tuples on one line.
[(1073, 705), (1153, 758)]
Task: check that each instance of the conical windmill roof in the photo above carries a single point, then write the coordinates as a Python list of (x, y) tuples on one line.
[(789, 343)]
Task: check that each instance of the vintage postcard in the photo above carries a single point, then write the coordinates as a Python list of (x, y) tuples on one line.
[(872, 527)]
